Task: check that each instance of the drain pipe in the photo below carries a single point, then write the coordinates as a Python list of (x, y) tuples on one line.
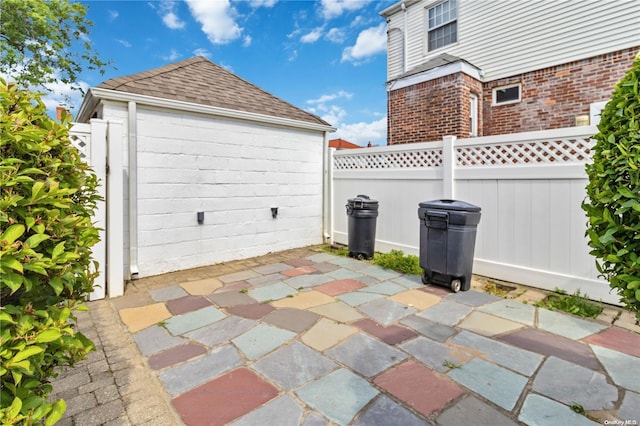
[(327, 216), (133, 191)]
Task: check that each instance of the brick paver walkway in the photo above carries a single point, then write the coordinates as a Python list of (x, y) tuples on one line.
[(308, 338)]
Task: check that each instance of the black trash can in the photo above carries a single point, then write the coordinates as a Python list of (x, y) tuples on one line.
[(362, 212), (447, 242)]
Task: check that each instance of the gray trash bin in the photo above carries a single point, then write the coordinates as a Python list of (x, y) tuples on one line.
[(362, 212), (447, 241)]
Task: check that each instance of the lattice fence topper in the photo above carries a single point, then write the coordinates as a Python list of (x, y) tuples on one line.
[(569, 150), (81, 142), (389, 160)]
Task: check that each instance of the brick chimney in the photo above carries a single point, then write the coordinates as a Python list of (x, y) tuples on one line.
[(59, 110)]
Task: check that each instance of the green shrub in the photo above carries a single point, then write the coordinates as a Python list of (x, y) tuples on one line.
[(397, 261), (577, 304), (613, 191), (47, 198)]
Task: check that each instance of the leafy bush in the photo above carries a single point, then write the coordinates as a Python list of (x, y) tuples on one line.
[(397, 261), (47, 198), (577, 304), (613, 191)]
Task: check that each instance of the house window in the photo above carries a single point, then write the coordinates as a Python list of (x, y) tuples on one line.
[(443, 25), (473, 115), (506, 94)]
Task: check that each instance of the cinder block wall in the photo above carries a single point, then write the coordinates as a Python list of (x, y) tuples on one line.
[(234, 172)]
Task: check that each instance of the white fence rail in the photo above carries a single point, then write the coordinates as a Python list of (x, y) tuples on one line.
[(530, 187)]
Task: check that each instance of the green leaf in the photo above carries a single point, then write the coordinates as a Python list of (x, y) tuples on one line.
[(58, 250), (12, 233), (28, 352), (47, 336), (11, 280), (16, 406), (36, 190), (57, 410), (35, 240), (11, 262)]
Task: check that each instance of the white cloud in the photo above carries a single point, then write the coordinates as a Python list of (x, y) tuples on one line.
[(246, 41), (313, 36), (335, 35), (362, 133), (217, 20), (112, 15), (333, 8), (202, 52), (262, 3), (172, 21), (369, 43), (125, 43), (169, 16), (331, 97), (172, 56)]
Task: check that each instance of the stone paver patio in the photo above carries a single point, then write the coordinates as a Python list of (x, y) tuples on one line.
[(308, 338)]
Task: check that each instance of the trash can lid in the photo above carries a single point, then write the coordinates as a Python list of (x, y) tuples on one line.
[(363, 202), (450, 205)]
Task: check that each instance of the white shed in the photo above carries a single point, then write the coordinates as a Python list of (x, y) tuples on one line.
[(206, 158)]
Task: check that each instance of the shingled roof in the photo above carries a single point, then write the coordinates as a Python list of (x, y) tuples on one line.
[(200, 81)]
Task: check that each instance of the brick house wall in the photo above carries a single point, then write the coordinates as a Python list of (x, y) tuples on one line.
[(551, 98)]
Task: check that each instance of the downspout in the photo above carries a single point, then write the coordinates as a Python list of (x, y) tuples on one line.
[(403, 6), (133, 190)]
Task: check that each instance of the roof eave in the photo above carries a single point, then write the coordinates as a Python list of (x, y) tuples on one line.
[(97, 93)]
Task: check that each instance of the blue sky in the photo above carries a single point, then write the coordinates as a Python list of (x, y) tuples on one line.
[(325, 56)]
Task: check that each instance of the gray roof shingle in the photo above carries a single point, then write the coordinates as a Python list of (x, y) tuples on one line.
[(200, 81)]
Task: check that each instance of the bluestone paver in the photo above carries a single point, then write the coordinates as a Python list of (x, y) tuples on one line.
[(567, 325), (327, 333), (283, 411), (306, 281), (416, 299), (473, 298), (385, 311), (193, 320), (202, 287), (516, 359), (239, 276), (497, 384), (540, 411), (338, 311), (275, 291), (261, 340), (573, 384), (622, 368), (380, 273), (272, 268), (428, 328), (446, 312), (155, 339), (294, 365), (297, 320), (433, 354), (266, 280), (304, 300), (344, 274), (191, 374), (475, 412), (358, 297), (321, 257), (221, 331), (408, 281), (314, 419), (386, 288), (630, 407), (366, 355), (168, 293), (384, 412), (339, 395), (511, 310)]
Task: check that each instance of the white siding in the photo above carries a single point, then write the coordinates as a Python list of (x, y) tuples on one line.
[(509, 37), (232, 171)]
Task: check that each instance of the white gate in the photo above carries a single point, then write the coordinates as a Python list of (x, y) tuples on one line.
[(95, 141)]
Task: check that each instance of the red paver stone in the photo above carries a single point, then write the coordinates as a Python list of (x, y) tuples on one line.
[(553, 345), (391, 335), (175, 355), (292, 319), (302, 270), (253, 311), (187, 304), (334, 288), (422, 389), (224, 399), (299, 262), (618, 340)]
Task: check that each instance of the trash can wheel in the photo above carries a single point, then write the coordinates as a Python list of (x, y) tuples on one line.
[(426, 279), (456, 285)]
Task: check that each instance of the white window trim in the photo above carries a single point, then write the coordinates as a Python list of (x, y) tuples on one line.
[(427, 29), (515, 101), (473, 115)]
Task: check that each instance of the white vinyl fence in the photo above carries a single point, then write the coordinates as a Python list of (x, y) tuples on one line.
[(530, 187)]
